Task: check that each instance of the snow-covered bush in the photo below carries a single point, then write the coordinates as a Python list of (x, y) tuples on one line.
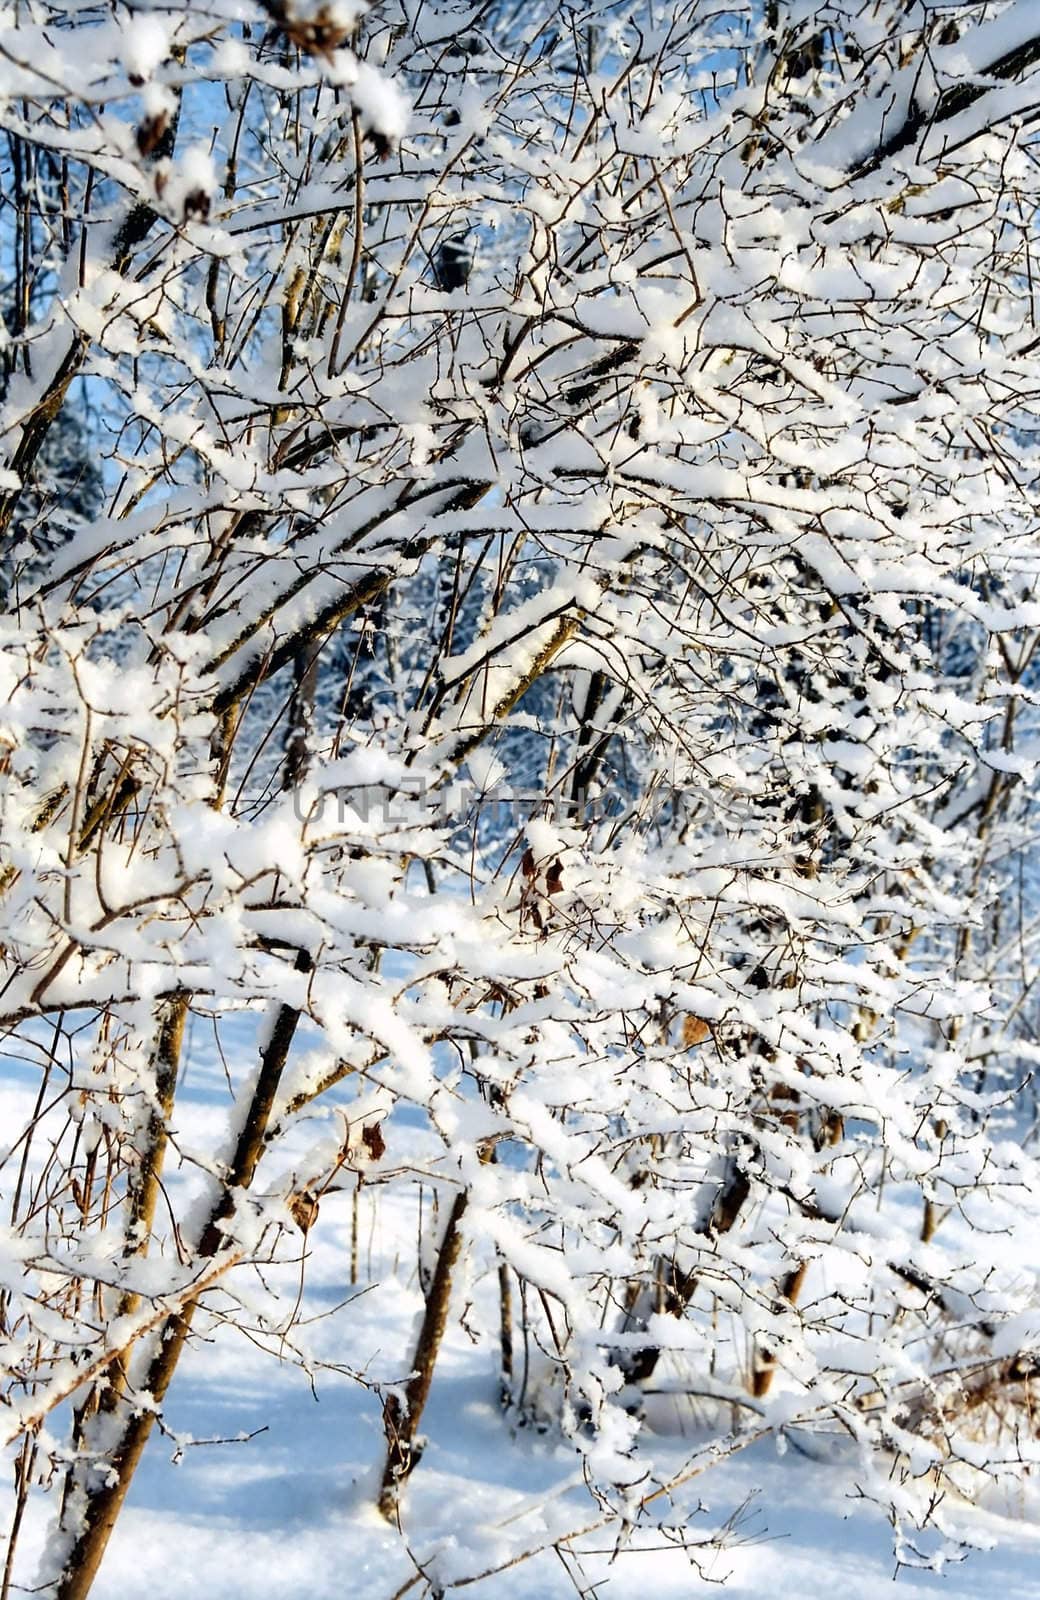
[(556, 649)]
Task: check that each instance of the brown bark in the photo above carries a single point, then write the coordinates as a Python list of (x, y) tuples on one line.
[(301, 716), (764, 1364), (142, 1195), (105, 1500), (505, 1312), (679, 1287), (146, 1182), (401, 1419)]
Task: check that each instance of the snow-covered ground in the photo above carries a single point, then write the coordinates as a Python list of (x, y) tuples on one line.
[(290, 1511)]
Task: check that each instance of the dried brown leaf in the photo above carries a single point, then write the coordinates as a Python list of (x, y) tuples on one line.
[(150, 132), (303, 1208), (373, 1141), (694, 1031)]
